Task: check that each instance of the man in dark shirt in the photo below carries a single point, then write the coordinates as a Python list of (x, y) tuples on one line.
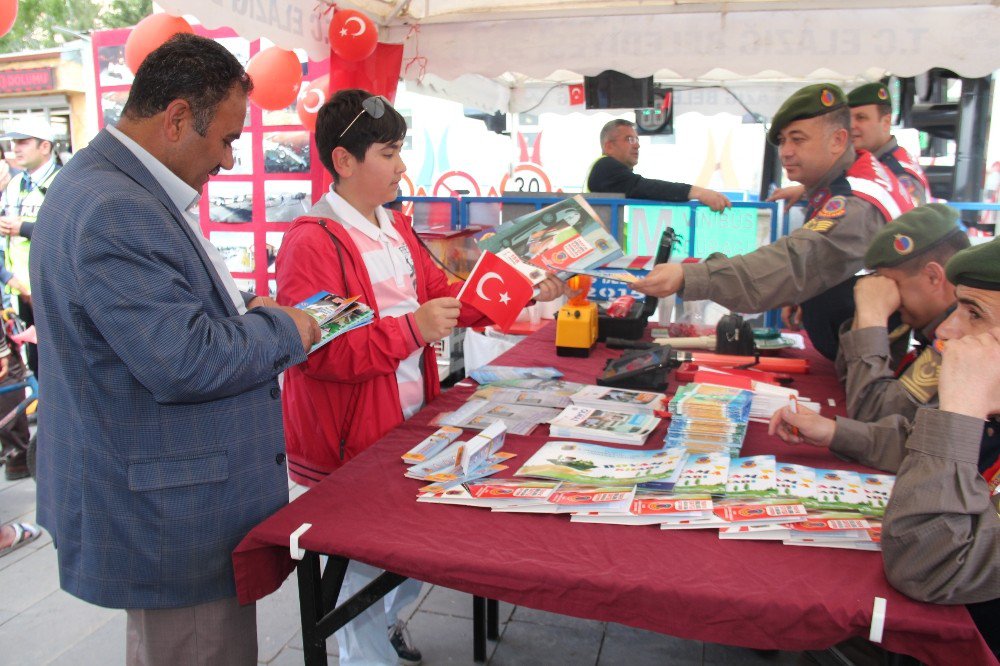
[(613, 172)]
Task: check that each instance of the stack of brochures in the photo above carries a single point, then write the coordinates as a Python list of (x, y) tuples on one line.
[(601, 425), (709, 418), (477, 414), (447, 464), (564, 236), (593, 464), (620, 400), (494, 373), (335, 315), (749, 498), (555, 393)]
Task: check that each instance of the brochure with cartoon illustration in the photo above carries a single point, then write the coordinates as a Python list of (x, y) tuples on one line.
[(600, 465)]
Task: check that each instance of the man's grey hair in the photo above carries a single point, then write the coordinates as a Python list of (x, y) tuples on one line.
[(611, 127)]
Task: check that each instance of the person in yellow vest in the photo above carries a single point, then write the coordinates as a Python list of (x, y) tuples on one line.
[(34, 142)]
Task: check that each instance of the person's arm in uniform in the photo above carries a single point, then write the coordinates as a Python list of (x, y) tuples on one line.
[(823, 253), (610, 175), (880, 444), (873, 390), (941, 533)]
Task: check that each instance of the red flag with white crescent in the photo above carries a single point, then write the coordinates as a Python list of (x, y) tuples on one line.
[(496, 289)]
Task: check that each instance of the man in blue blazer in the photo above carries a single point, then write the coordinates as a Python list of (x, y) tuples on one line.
[(160, 445)]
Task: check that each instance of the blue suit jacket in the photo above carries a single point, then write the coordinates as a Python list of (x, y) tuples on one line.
[(160, 441)]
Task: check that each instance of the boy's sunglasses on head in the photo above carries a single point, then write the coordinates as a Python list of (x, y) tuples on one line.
[(374, 106)]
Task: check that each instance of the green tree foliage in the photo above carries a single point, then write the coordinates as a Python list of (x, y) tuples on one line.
[(37, 20)]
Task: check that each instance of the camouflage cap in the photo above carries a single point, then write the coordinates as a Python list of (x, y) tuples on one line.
[(870, 93), (911, 234), (977, 266), (809, 102)]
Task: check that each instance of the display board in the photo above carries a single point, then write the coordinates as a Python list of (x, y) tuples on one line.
[(245, 211)]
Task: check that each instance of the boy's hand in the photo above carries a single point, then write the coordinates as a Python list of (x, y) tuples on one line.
[(436, 318), (550, 289), (309, 331), (807, 426), (5, 366)]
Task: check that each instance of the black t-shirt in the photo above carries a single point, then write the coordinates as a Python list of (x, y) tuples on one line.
[(610, 175)]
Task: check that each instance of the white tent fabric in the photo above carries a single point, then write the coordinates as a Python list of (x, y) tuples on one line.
[(675, 39), (514, 55)]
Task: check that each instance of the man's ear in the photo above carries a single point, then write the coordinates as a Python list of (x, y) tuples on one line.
[(839, 139), (343, 162), (175, 117), (935, 273)]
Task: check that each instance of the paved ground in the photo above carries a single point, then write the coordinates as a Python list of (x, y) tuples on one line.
[(41, 624)]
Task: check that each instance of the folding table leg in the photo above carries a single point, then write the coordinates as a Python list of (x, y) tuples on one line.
[(492, 619), (311, 609), (478, 629)]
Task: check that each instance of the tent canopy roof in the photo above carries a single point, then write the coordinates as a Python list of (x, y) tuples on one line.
[(514, 41)]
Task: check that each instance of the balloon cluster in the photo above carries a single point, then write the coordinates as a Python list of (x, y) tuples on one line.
[(8, 14), (275, 72)]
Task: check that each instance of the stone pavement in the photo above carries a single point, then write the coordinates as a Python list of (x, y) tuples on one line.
[(41, 624)]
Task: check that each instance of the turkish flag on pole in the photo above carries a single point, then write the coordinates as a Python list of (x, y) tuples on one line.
[(496, 289)]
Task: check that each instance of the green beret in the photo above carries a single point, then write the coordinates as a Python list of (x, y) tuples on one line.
[(809, 102), (870, 93), (977, 266), (911, 234)]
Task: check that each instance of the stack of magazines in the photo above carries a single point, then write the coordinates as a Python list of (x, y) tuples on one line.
[(619, 400), (335, 315), (709, 418), (601, 425)]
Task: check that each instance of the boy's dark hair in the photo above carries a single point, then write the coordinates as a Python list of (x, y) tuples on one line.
[(196, 69), (335, 116)]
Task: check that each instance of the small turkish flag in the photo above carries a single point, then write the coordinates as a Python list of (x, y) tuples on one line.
[(576, 96), (496, 289)]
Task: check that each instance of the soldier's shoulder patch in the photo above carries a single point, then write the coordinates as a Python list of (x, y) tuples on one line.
[(834, 208), (921, 379)]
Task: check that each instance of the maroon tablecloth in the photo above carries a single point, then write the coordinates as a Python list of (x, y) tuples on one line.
[(684, 583)]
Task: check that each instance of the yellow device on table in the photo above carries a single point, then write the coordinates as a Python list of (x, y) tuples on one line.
[(576, 323)]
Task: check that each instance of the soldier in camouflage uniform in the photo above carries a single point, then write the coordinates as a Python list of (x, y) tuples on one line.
[(851, 196), (871, 118), (908, 258)]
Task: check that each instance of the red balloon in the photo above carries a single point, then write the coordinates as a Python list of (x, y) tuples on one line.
[(353, 36), (149, 34), (8, 14), (277, 76), (312, 96)]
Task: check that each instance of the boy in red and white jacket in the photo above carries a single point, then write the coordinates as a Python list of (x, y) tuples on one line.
[(358, 387)]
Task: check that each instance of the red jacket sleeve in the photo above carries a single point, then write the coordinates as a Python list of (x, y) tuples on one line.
[(438, 287), (308, 263)]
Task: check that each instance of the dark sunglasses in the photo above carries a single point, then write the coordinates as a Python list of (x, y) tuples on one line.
[(374, 106)]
